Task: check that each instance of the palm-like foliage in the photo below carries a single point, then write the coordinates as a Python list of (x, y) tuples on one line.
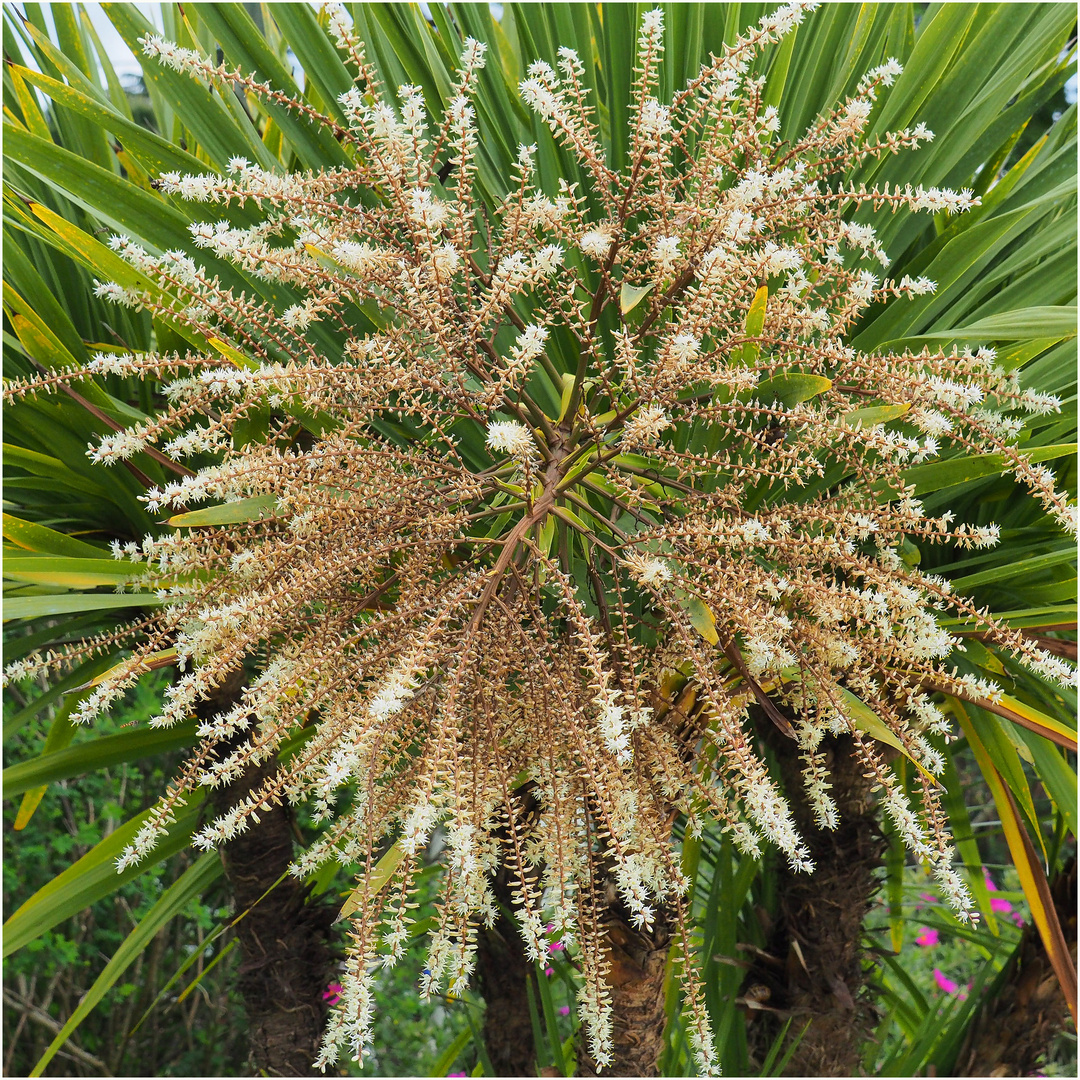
[(1004, 274)]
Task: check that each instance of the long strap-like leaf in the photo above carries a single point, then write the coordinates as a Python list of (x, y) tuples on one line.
[(194, 881)]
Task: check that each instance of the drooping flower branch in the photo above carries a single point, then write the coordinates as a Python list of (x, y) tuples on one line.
[(495, 475)]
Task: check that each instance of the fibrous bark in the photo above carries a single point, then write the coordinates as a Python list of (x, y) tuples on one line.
[(284, 937), (503, 971), (819, 925), (638, 958)]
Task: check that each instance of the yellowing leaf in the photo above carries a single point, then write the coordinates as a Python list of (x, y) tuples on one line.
[(868, 722), (70, 573), (873, 415), (630, 296), (150, 663), (228, 513), (755, 323), (701, 618), (1028, 866), (233, 354), (34, 537), (380, 875), (567, 394)]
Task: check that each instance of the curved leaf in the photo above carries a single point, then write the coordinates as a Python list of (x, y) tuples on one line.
[(193, 882), (95, 876)]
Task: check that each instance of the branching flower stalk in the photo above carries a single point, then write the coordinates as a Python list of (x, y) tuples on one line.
[(555, 452)]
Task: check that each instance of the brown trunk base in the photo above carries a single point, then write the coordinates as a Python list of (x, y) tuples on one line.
[(638, 961), (503, 972), (284, 940), (818, 931)]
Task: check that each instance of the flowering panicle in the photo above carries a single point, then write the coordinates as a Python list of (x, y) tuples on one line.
[(521, 464)]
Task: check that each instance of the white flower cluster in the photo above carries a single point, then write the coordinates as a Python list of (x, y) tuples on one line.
[(510, 437)]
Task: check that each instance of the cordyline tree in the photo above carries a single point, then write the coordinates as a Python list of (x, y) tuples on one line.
[(488, 483)]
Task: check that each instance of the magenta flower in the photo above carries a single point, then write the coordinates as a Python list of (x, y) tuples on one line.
[(944, 982), (457, 1074), (555, 946), (564, 1010), (332, 994), (549, 971), (997, 904), (927, 939)]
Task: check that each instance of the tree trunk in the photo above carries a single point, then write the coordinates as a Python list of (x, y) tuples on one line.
[(638, 961), (502, 976), (818, 931), (1017, 1025), (284, 941)]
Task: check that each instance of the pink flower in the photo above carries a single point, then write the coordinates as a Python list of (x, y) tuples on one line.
[(457, 1074), (944, 982), (555, 946), (997, 904), (549, 971), (332, 994), (1018, 918), (927, 939), (564, 1010)]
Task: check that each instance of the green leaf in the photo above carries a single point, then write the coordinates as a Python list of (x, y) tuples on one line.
[(252, 509), (192, 883), (70, 683), (1018, 567), (60, 762), (456, 1048), (1055, 774), (61, 732), (873, 415), (94, 876), (246, 47), (959, 470), (792, 388), (40, 607), (1032, 322), (44, 465), (1000, 740)]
